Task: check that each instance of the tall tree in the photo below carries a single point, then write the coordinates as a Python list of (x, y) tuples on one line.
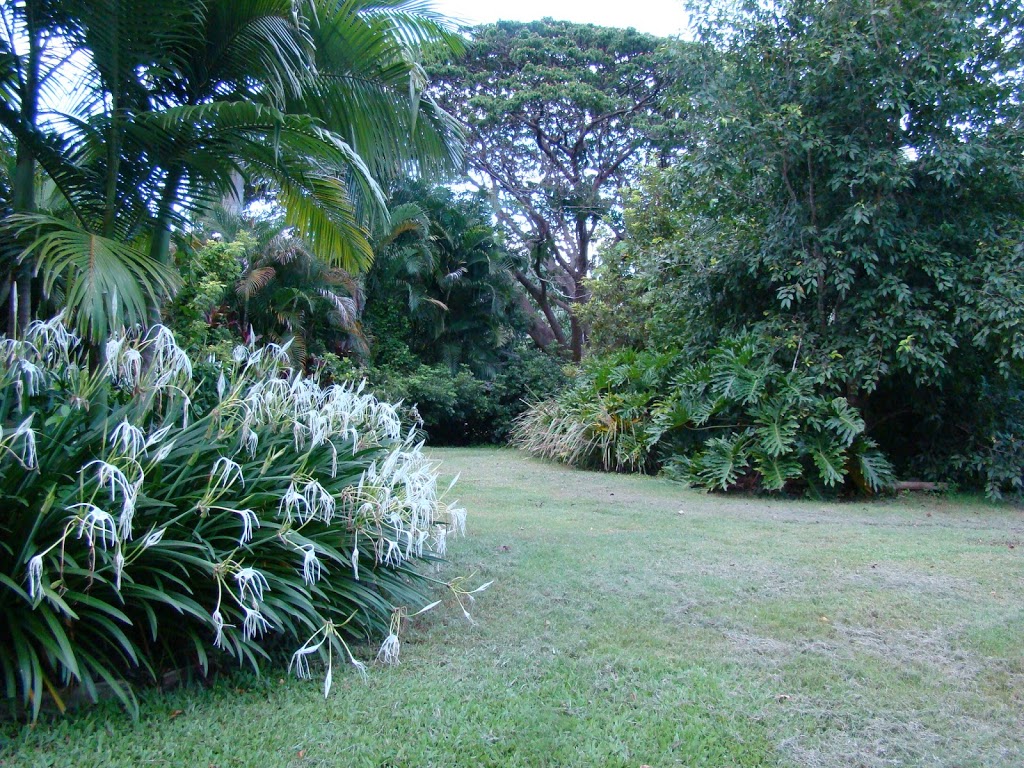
[(560, 116)]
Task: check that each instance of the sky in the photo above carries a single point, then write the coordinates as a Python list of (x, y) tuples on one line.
[(658, 17)]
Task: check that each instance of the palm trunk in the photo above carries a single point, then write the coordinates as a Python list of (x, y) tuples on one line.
[(160, 244), (24, 191)]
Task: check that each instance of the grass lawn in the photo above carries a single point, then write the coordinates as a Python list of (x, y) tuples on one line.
[(633, 622)]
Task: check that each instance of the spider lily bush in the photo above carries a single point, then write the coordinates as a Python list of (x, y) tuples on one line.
[(138, 535)]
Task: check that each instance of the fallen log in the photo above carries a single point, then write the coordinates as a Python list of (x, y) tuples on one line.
[(918, 485)]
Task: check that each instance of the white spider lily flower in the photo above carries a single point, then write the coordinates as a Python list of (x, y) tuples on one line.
[(292, 503), (355, 560), (278, 353), (458, 518), (124, 363), (360, 668), (328, 679), (225, 472), (34, 376), (300, 664), (441, 540), (393, 557), (299, 434), (118, 569), (299, 660), (131, 367), (389, 650), (421, 539), (250, 440), (254, 624), (248, 520), (222, 386), (35, 578), (127, 515), (53, 337), (218, 627), (9, 349), (110, 476), (29, 459), (169, 361), (158, 436), (251, 582), (129, 439), (240, 354), (319, 502), (153, 538), (115, 481), (312, 569), (96, 525)]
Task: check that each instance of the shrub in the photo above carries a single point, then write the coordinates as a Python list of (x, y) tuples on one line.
[(732, 418), (527, 374), (458, 408), (602, 418), (763, 425), (453, 408), (138, 534)]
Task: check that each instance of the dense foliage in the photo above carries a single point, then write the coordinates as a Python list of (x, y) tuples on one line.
[(460, 408), (852, 191), (140, 535), (737, 417), (440, 291), (173, 105)]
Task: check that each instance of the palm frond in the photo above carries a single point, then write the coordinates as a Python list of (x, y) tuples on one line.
[(254, 281), (107, 283)]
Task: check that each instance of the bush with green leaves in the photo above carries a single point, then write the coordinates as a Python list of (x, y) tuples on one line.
[(736, 417), (461, 408), (602, 419), (138, 535), (763, 424), (451, 407)]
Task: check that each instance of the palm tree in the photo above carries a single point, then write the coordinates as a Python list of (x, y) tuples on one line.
[(184, 97), (441, 265), (288, 295)]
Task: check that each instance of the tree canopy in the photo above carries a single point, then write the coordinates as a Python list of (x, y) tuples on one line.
[(559, 116)]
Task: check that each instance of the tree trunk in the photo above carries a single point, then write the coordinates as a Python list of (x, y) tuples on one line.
[(160, 242), (24, 191)]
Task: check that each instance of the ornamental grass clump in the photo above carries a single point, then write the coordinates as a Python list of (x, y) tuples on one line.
[(138, 535)]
